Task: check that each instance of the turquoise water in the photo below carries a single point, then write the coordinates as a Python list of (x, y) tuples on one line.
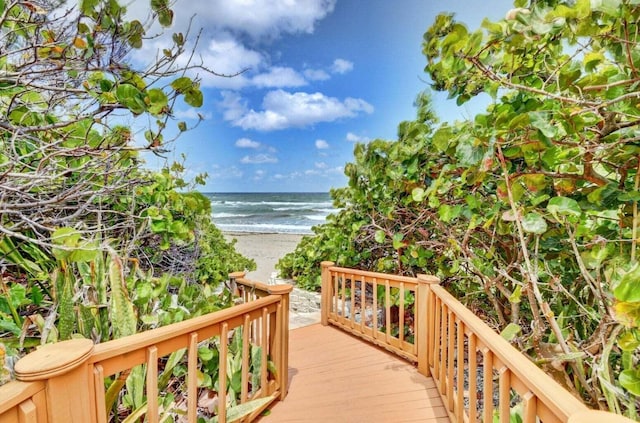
[(270, 212)]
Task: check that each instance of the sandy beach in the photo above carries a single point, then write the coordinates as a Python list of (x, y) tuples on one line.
[(265, 249)]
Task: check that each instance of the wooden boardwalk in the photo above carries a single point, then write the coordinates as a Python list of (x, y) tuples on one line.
[(335, 377)]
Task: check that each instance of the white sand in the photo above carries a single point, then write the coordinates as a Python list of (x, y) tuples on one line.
[(265, 249)]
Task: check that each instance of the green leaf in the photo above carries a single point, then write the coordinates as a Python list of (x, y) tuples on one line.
[(510, 331), (88, 6), (534, 223), (165, 17), (417, 194), (442, 137), (182, 126), (540, 121), (131, 98), (380, 236), (608, 7), (182, 84), (205, 353), (630, 380), (628, 289), (516, 295), (398, 241), (629, 341), (193, 97), (563, 206), (158, 101)]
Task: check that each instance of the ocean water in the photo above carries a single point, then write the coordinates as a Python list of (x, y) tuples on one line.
[(292, 213)]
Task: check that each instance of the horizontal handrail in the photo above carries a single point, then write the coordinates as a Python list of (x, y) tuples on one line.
[(65, 382), (505, 371), (371, 305), (479, 375)]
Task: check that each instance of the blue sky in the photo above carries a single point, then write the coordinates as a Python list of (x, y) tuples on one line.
[(321, 75)]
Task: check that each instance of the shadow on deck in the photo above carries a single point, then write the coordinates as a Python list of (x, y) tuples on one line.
[(336, 377)]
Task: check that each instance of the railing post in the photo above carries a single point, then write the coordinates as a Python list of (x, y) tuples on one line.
[(325, 295), (424, 319), (597, 416), (283, 370), (233, 286), (63, 367)]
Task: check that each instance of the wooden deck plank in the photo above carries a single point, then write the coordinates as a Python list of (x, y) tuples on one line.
[(335, 377)]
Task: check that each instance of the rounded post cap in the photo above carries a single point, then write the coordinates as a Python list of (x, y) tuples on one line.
[(281, 288), (237, 275), (597, 416), (430, 279), (53, 360), (327, 263)]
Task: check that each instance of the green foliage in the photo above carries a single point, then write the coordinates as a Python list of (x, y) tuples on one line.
[(91, 243), (528, 212)]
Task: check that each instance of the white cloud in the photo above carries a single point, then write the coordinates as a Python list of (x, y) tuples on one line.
[(351, 137), (278, 77), (341, 66), (283, 109), (269, 18), (247, 143), (259, 159), (191, 113), (316, 75), (227, 29), (220, 172), (259, 175), (233, 105), (322, 144), (321, 165)]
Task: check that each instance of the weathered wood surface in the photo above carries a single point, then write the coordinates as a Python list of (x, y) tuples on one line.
[(335, 377)]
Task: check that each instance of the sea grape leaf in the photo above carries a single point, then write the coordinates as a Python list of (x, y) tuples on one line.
[(630, 380), (563, 206), (398, 241), (510, 331), (534, 223), (417, 194), (628, 289)]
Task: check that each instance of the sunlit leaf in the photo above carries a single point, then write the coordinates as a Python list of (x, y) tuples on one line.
[(534, 223), (630, 380)]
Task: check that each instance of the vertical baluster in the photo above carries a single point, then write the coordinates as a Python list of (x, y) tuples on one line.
[(451, 318), (343, 295), (387, 310), (401, 315), (487, 388), (352, 313), (375, 307), (460, 373), (336, 294), (363, 303), (222, 374), (444, 345), (530, 408), (437, 340), (98, 384), (192, 378), (246, 344), (152, 384), (473, 378), (504, 388), (263, 361), (27, 412)]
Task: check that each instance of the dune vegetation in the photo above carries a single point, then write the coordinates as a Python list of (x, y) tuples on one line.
[(528, 211)]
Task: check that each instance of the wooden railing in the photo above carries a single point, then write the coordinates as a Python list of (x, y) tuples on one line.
[(65, 382), (478, 373)]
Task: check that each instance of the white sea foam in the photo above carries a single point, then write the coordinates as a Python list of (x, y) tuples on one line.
[(265, 228)]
